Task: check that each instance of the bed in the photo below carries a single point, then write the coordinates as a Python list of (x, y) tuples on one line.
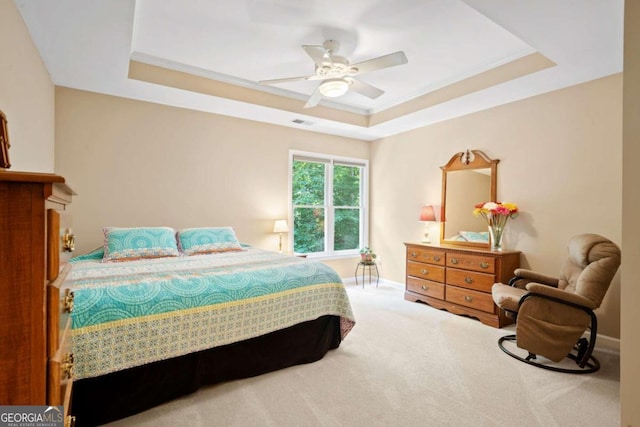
[(156, 327)]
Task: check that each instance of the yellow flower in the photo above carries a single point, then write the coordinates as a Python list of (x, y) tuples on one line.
[(511, 206)]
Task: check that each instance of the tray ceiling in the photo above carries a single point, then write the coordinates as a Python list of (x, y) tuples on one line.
[(463, 56)]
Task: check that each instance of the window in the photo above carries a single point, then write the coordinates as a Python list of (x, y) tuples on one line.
[(328, 203)]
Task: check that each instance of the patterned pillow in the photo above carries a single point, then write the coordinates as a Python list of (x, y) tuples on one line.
[(127, 244), (208, 240)]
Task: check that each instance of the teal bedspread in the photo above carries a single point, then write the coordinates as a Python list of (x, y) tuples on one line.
[(130, 313)]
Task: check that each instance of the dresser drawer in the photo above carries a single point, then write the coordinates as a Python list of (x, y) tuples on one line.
[(431, 256), (425, 271), (425, 287), (60, 371), (485, 264), (462, 276), (59, 305), (468, 298), (470, 279), (59, 247)]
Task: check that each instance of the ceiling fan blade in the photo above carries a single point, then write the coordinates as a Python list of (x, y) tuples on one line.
[(287, 79), (316, 53), (365, 89), (390, 60), (315, 98)]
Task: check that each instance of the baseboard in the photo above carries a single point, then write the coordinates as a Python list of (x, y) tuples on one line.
[(606, 343), (352, 281)]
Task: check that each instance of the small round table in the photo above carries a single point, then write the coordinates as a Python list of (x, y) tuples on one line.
[(367, 265)]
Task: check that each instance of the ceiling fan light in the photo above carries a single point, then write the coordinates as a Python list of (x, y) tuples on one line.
[(333, 88)]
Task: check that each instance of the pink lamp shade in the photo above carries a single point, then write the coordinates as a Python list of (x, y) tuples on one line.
[(427, 213)]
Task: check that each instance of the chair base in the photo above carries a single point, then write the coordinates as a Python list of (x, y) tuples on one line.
[(590, 365)]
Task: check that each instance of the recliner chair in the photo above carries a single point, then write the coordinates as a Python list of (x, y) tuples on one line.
[(552, 314)]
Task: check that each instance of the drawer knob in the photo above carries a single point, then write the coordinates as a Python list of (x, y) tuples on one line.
[(467, 298), (436, 258), (484, 265), (454, 260), (414, 254), (424, 271), (67, 301), (67, 366), (468, 280), (424, 288), (68, 241)]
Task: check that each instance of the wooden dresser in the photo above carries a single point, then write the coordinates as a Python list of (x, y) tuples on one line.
[(459, 279), (35, 361)]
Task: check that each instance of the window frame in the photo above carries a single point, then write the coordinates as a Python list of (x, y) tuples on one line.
[(331, 160)]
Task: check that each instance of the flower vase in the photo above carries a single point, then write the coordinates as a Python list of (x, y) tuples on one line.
[(495, 232)]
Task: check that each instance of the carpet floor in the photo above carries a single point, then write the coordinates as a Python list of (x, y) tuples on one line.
[(405, 364)]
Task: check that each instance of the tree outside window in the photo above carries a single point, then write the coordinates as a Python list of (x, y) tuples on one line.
[(327, 201)]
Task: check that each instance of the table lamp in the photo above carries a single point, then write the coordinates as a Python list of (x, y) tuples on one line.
[(280, 226), (427, 215)]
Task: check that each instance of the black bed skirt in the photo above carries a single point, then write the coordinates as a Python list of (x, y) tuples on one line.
[(121, 394)]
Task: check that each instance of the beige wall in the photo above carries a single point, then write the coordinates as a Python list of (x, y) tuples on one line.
[(135, 163), (560, 161), (630, 342), (26, 95)]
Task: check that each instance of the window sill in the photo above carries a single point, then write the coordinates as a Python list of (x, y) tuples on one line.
[(332, 257)]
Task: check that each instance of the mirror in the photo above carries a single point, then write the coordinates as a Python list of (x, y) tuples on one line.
[(468, 179)]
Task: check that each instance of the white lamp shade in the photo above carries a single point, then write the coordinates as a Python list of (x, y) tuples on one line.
[(280, 226)]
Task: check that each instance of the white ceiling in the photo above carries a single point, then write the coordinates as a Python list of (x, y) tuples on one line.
[(88, 45)]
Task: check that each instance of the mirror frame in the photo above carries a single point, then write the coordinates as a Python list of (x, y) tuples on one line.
[(4, 143), (466, 160)]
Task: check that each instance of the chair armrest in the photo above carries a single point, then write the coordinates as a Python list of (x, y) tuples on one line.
[(536, 277), (560, 294)]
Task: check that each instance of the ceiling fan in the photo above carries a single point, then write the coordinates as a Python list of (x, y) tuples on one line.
[(337, 76)]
